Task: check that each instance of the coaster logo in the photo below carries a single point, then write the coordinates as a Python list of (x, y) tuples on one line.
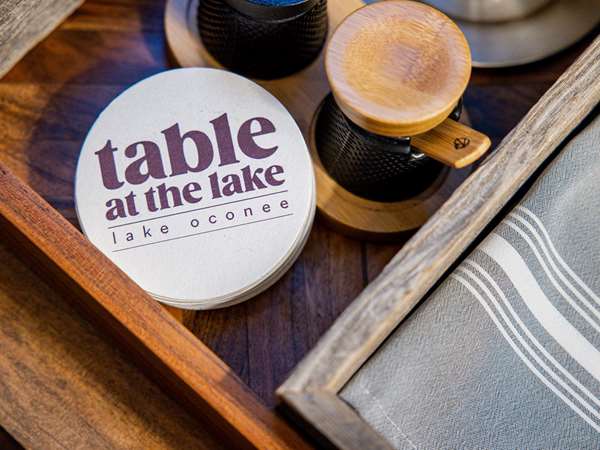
[(460, 143), (145, 161)]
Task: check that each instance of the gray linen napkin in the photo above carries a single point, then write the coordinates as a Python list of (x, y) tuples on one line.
[(505, 354)]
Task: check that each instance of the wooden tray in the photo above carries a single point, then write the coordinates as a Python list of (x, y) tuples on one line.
[(169, 352), (312, 389)]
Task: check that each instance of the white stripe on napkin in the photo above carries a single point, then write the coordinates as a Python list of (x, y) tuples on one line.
[(476, 273), (518, 351), (535, 220), (511, 223), (574, 343)]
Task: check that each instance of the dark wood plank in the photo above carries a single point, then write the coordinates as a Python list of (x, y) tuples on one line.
[(92, 57), (285, 322), (262, 340), (119, 15), (56, 370), (336, 420), (226, 332), (160, 344)]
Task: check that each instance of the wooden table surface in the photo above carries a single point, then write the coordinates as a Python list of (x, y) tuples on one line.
[(47, 104), (64, 386)]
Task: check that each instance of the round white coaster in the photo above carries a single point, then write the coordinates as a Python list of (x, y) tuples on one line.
[(198, 184)]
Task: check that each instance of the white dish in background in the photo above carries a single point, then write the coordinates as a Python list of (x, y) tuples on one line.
[(545, 32)]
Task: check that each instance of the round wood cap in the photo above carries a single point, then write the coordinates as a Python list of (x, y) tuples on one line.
[(398, 68)]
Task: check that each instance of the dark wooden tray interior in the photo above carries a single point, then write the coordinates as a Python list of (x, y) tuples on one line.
[(52, 97)]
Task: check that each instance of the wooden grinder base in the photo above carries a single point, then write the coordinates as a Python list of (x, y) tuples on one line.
[(302, 94)]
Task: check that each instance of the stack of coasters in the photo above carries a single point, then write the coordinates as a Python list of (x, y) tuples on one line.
[(198, 184)]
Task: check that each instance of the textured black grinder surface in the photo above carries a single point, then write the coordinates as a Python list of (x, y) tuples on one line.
[(259, 48), (373, 167)]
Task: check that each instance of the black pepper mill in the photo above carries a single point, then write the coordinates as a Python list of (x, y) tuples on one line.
[(263, 39)]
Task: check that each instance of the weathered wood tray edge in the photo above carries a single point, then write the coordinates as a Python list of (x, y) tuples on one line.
[(169, 352), (312, 389)]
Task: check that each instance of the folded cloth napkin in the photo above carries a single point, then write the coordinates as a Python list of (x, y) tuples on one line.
[(505, 354)]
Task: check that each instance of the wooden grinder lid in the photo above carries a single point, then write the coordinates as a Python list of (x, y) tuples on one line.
[(398, 68)]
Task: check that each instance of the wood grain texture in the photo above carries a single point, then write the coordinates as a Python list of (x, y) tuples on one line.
[(423, 260), (398, 68), (56, 369), (24, 23), (50, 98), (453, 144), (170, 354), (46, 109), (263, 339), (336, 420)]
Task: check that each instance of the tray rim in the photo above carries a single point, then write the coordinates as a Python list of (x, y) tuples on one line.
[(312, 389), (195, 376)]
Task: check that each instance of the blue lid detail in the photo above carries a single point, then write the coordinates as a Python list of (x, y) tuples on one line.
[(276, 2)]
